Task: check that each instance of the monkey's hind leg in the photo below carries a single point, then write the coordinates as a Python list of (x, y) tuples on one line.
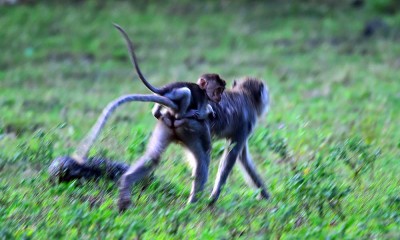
[(160, 139), (182, 96)]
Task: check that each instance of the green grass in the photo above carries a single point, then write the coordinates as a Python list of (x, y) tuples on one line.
[(328, 150)]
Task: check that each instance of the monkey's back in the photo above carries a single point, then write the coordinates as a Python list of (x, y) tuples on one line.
[(233, 114), (198, 95), (239, 108)]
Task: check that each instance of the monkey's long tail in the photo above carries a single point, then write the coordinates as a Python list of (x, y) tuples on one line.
[(84, 146), (134, 61)]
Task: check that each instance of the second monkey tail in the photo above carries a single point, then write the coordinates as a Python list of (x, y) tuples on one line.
[(80, 154), (134, 61)]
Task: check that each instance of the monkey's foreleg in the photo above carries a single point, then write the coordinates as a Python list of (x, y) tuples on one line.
[(182, 96), (225, 167)]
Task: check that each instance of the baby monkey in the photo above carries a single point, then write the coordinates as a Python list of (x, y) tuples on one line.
[(192, 99)]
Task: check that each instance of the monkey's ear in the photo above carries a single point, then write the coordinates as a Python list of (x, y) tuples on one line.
[(262, 93), (202, 83), (234, 83), (223, 82)]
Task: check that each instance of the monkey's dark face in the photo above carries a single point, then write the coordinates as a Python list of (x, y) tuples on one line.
[(214, 86), (214, 91)]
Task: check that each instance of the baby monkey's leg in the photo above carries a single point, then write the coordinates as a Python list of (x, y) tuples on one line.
[(182, 97)]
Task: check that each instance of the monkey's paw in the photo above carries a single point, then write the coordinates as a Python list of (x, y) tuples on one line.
[(124, 203), (263, 195), (212, 201), (167, 121), (212, 113)]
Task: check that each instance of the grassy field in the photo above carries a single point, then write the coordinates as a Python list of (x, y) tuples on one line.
[(328, 150)]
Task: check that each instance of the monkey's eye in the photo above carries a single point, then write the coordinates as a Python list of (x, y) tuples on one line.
[(234, 83), (219, 91)]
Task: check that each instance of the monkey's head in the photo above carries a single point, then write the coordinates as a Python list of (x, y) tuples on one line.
[(257, 90), (213, 85)]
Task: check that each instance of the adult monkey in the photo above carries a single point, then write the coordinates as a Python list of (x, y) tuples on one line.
[(237, 117)]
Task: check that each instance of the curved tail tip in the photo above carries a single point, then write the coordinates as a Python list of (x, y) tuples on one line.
[(116, 25)]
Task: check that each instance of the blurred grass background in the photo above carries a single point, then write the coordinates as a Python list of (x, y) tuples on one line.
[(328, 150)]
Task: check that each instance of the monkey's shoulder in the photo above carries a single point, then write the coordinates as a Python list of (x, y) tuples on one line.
[(195, 90), (190, 85), (198, 96)]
